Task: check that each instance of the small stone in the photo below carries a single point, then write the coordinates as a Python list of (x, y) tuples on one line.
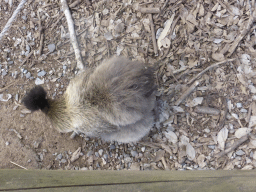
[(239, 105), (143, 149), (28, 75), (41, 157), (29, 160), (17, 97), (24, 17), (127, 159), (4, 73), (134, 153), (59, 157), (39, 81), (7, 143), (103, 161), (105, 11), (51, 47), (10, 62), (100, 152), (112, 147), (243, 110), (36, 144), (119, 28), (158, 32), (63, 161), (41, 73), (5, 97), (27, 48), (89, 153), (240, 152), (15, 74), (108, 36), (105, 156)]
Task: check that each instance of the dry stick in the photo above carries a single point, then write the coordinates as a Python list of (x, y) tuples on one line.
[(72, 34), (212, 66), (233, 147), (7, 86), (72, 5), (247, 119), (9, 23), (41, 36), (18, 165), (153, 34), (24, 61), (223, 118), (187, 93), (246, 29), (41, 44), (149, 10)]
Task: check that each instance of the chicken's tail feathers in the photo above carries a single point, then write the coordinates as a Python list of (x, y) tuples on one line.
[(36, 99)]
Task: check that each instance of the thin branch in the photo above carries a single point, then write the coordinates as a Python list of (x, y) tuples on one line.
[(18, 165), (7, 86), (243, 32), (187, 93), (212, 66), (14, 15), (72, 34), (233, 147), (153, 34)]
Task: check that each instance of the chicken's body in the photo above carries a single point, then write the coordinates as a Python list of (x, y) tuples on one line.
[(114, 101)]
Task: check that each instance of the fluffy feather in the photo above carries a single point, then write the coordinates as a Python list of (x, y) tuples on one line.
[(114, 101)]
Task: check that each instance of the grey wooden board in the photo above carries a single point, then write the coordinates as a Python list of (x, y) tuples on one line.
[(44, 180)]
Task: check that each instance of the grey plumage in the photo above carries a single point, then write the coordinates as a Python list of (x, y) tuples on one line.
[(114, 102)]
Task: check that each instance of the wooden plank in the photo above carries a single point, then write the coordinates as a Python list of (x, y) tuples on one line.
[(44, 180)]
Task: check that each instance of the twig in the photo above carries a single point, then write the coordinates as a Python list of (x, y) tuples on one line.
[(233, 147), (212, 66), (24, 61), (223, 118), (41, 44), (153, 34), (243, 32), (75, 3), (72, 34), (207, 110), (7, 86), (9, 23), (247, 119), (72, 5), (149, 10), (187, 93), (40, 34), (18, 165)]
